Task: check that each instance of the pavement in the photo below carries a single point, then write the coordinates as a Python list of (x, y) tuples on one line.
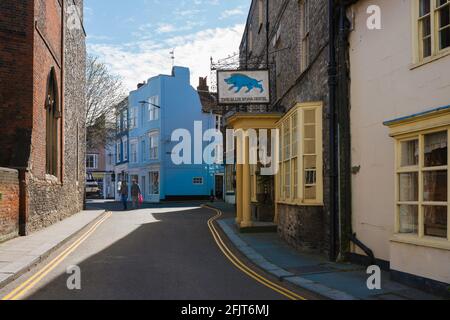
[(337, 281), (19, 255), (159, 252)]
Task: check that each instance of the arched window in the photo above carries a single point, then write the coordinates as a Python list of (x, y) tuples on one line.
[(53, 115)]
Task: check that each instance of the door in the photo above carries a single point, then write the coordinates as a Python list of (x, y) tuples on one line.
[(154, 186), (143, 186), (219, 187)]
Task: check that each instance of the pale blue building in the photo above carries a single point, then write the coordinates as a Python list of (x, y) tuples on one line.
[(157, 108)]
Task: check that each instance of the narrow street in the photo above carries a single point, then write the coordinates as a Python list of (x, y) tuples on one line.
[(154, 253)]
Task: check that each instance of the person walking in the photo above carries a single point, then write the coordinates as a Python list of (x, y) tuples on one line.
[(124, 194), (135, 193)]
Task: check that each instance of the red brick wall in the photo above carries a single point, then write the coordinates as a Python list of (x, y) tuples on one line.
[(47, 54), (16, 81), (9, 204)]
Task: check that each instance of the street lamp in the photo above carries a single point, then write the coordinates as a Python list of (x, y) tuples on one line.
[(152, 104)]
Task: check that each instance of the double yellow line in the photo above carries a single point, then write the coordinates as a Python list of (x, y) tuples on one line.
[(241, 266), (26, 286)]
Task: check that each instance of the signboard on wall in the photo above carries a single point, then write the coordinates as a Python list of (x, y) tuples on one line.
[(243, 87)]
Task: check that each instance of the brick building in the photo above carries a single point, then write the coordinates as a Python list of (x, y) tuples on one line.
[(42, 103)]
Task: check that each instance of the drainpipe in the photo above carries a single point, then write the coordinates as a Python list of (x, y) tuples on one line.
[(333, 177), (344, 146)]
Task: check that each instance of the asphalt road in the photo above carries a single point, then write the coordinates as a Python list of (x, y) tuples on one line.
[(154, 253)]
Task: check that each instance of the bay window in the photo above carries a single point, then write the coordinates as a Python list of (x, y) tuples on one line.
[(422, 180), (300, 176)]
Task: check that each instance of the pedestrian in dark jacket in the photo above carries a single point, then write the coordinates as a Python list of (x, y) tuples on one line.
[(124, 194), (135, 193)]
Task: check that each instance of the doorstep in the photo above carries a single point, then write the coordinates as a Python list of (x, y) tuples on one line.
[(19, 255)]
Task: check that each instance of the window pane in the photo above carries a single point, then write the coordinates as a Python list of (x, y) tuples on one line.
[(410, 153), (425, 6), (426, 47), (311, 193), (310, 131), (310, 147), (408, 219), (444, 38), (295, 171), (444, 17), (409, 186), (435, 186), (436, 149), (435, 221), (295, 137), (287, 180), (310, 116)]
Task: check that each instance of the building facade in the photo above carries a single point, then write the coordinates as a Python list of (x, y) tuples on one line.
[(280, 37), (155, 113), (100, 162), (121, 145), (400, 122), (42, 107)]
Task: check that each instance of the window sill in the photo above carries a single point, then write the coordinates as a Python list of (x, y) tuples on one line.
[(428, 60), (430, 242), (300, 203)]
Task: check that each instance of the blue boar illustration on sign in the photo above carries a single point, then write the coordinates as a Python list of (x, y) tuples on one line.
[(239, 81)]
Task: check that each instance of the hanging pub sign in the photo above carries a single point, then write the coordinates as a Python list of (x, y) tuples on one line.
[(243, 87)]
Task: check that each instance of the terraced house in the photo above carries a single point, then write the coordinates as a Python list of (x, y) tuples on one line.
[(155, 113), (42, 89), (360, 99)]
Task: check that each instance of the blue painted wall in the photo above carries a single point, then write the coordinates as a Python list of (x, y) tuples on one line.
[(180, 108)]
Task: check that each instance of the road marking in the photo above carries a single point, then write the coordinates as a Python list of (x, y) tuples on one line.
[(241, 266), (26, 286)]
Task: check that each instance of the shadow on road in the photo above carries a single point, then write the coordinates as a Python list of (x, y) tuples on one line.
[(162, 252)]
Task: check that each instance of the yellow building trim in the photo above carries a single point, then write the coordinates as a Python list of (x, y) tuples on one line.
[(300, 199), (416, 128)]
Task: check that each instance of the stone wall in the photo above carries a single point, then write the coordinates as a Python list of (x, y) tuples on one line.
[(304, 227), (52, 199), (9, 204)]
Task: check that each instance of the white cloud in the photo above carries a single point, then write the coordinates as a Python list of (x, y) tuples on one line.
[(140, 60), (239, 11)]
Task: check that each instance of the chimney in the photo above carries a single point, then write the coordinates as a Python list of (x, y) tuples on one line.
[(203, 84), (140, 85)]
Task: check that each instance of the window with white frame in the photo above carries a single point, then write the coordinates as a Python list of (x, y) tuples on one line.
[(124, 120), (125, 148), (133, 118), (197, 180), (154, 145), (153, 110), (422, 180), (433, 27), (92, 161), (134, 152), (119, 151), (143, 150), (300, 177)]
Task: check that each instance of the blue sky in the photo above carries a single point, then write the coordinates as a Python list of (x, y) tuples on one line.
[(135, 37)]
